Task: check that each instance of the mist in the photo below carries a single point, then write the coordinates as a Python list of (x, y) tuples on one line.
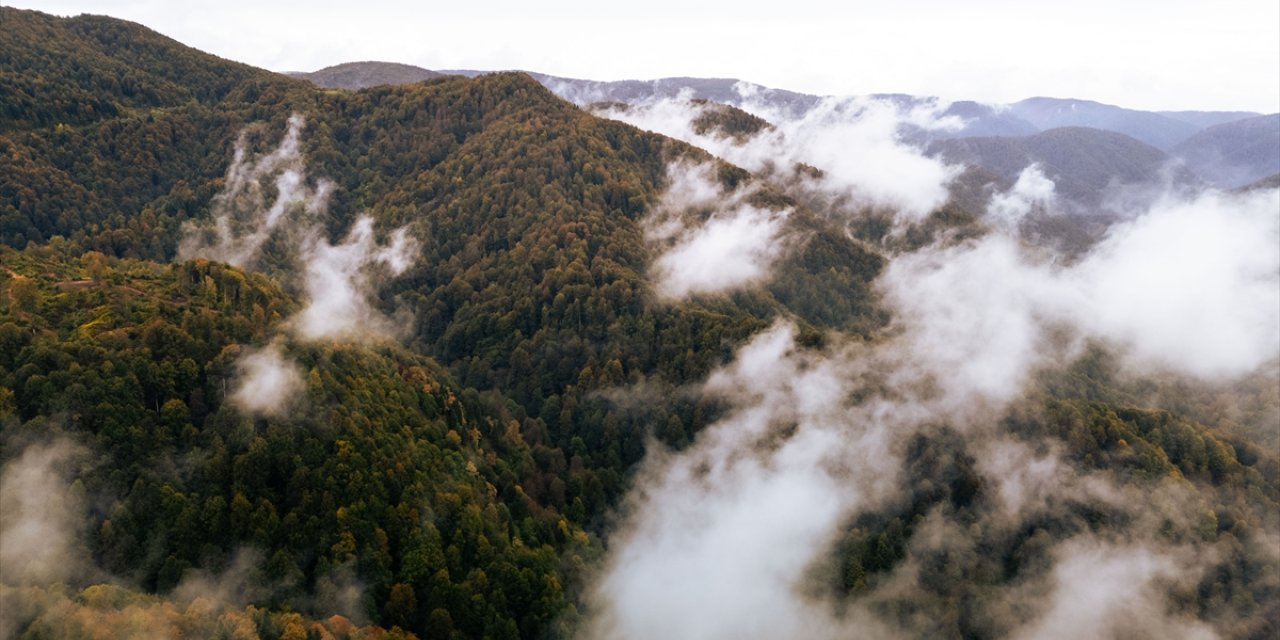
[(41, 534), (1101, 590), (735, 245), (886, 171), (1032, 190), (243, 219), (266, 380), (338, 282)]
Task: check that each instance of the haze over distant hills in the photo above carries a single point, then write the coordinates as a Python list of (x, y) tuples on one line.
[(1234, 153), (1087, 165)]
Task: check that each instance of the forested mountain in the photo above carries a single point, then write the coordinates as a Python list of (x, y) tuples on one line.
[(530, 283), (280, 361), (359, 75), (1234, 153)]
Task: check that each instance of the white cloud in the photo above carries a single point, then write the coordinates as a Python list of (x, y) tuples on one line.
[(1031, 191), (1193, 285), (733, 247), (44, 520), (854, 141), (718, 539), (266, 380), (337, 281), (1107, 591), (242, 220)]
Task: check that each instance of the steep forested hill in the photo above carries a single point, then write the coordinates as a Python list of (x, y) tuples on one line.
[(455, 510)]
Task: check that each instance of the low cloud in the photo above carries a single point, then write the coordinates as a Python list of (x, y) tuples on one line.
[(243, 221), (1030, 193), (266, 380), (1192, 286), (44, 515), (1102, 590), (338, 280), (721, 540), (855, 142), (734, 246)]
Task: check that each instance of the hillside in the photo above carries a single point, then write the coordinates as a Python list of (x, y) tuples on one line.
[(1235, 153), (360, 75), (326, 494)]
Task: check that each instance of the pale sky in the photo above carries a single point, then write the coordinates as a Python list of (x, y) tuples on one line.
[(1145, 54)]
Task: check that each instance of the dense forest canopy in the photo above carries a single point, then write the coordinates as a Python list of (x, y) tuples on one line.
[(468, 339)]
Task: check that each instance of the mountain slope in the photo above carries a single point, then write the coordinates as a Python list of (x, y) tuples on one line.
[(337, 481), (360, 75), (1235, 153)]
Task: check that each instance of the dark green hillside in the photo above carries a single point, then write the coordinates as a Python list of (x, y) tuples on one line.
[(460, 482), (385, 471)]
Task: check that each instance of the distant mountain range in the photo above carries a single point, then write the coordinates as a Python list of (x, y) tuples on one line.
[(1089, 167), (1227, 149)]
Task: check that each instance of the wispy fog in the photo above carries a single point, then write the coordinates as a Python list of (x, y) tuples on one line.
[(338, 281), (735, 245), (855, 142), (730, 537)]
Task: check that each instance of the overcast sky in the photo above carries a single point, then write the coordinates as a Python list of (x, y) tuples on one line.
[(1165, 54)]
